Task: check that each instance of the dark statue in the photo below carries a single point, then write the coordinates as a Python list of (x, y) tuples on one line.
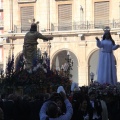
[(30, 45)]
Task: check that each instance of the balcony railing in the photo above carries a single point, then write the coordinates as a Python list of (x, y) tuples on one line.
[(77, 26)]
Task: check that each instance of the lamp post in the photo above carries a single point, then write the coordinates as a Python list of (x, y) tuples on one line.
[(2, 76), (65, 68), (68, 66), (92, 77)]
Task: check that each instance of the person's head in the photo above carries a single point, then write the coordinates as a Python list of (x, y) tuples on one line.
[(26, 98), (107, 35), (11, 97), (47, 96), (52, 110), (92, 95), (59, 102), (83, 104), (33, 27)]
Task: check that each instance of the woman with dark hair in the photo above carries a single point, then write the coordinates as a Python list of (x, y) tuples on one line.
[(106, 65), (83, 111)]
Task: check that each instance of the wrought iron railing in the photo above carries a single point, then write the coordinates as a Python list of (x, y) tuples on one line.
[(78, 25)]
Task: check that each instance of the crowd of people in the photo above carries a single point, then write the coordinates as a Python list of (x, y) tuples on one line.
[(82, 103)]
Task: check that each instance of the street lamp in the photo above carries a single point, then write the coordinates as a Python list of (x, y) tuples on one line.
[(2, 76), (64, 69), (92, 77), (68, 66)]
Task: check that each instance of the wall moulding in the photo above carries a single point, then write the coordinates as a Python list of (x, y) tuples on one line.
[(26, 1), (63, 0)]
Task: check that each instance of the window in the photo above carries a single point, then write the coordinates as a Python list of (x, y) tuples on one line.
[(27, 15), (27, 1), (64, 17), (101, 14), (1, 19)]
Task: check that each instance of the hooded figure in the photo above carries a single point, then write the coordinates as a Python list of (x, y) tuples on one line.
[(106, 73)]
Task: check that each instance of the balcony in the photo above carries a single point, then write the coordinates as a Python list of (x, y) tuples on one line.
[(74, 26), (84, 25)]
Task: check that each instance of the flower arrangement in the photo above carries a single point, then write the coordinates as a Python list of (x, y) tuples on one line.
[(40, 79), (105, 89)]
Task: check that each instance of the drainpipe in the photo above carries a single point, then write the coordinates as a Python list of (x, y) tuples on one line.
[(85, 10), (11, 15), (119, 11), (48, 15)]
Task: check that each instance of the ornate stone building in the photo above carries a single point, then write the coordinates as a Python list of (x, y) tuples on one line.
[(74, 25)]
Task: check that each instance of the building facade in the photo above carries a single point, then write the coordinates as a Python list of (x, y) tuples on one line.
[(74, 25)]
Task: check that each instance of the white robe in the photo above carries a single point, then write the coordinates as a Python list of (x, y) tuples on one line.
[(106, 65)]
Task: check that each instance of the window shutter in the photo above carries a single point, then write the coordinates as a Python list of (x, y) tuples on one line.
[(101, 14), (27, 14), (26, 1), (64, 17)]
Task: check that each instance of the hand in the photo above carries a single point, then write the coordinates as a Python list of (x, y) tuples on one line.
[(53, 96), (50, 38), (118, 45), (96, 38), (63, 95)]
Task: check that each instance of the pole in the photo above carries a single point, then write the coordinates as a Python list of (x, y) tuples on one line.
[(119, 11), (11, 15), (48, 15)]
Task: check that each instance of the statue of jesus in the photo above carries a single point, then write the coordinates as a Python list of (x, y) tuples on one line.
[(30, 45)]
